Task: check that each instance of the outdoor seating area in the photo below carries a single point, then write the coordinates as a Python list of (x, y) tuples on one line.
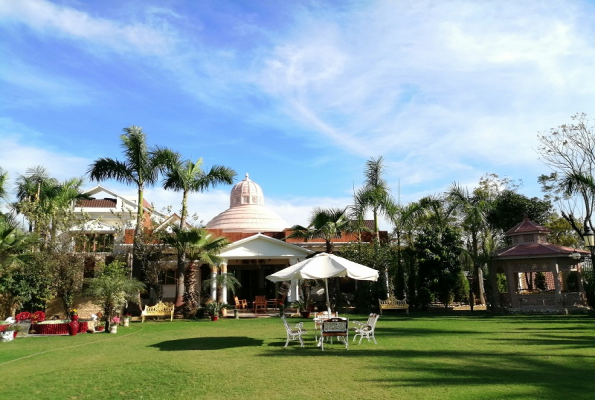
[(328, 327)]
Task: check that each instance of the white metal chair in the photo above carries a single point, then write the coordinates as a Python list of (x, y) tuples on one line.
[(365, 329), (294, 333), (335, 327), (318, 318)]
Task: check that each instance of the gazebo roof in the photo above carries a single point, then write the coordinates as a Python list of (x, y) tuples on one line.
[(536, 250), (527, 226)]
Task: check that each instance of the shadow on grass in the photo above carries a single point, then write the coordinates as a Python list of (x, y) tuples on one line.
[(514, 373), (207, 343)]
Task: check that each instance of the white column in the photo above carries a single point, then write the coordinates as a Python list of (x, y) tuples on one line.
[(213, 283), (223, 268)]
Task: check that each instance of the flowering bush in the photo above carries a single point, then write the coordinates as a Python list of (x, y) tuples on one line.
[(116, 320), (38, 316), (23, 316), (128, 315)]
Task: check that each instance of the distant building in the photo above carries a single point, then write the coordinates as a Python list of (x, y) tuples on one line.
[(260, 244)]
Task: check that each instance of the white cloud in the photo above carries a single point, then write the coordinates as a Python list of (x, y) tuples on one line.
[(45, 16)]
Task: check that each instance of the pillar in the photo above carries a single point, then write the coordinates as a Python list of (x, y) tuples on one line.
[(223, 268), (558, 290), (213, 283), (512, 279)]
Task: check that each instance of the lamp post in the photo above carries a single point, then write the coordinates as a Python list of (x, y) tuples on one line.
[(589, 238)]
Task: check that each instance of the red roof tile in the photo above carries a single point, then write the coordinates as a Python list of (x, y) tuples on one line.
[(536, 250), (526, 226), (97, 203)]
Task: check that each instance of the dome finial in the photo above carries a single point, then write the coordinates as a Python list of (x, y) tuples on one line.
[(247, 177)]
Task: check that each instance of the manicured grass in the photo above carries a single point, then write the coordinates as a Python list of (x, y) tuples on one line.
[(422, 356)]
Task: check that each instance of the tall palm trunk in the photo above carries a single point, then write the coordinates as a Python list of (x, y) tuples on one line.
[(190, 296), (138, 231), (181, 279)]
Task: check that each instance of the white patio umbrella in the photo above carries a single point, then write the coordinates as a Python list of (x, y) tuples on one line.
[(324, 266)]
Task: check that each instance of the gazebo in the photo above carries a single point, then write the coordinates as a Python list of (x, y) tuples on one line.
[(534, 275)]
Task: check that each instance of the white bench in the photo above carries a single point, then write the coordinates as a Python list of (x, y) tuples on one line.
[(393, 303)]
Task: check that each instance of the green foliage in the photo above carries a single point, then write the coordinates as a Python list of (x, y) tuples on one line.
[(220, 280), (325, 223), (562, 233), (501, 282), (572, 282), (378, 256), (540, 282), (510, 207), (31, 284), (112, 288), (438, 264)]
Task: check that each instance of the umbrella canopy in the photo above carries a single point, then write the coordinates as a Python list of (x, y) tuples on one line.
[(324, 266)]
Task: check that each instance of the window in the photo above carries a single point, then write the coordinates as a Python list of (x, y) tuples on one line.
[(528, 238), (94, 243)]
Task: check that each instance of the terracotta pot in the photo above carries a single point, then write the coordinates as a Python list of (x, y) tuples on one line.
[(73, 327), (14, 334), (215, 318), (305, 314)]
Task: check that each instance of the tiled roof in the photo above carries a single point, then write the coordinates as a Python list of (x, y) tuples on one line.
[(527, 226), (97, 203), (536, 250)]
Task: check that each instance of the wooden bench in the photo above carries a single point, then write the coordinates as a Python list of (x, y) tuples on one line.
[(393, 304), (159, 310)]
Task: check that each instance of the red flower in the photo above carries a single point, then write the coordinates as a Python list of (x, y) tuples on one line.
[(38, 316), (23, 316)]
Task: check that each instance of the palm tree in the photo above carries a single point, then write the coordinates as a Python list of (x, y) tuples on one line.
[(46, 202), (437, 211), (187, 176), (3, 183), (140, 168), (474, 208), (29, 192), (325, 223), (14, 244), (375, 195), (225, 279), (112, 288), (357, 215), (402, 219), (200, 247)]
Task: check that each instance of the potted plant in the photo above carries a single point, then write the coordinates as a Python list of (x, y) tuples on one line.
[(99, 326), (113, 328), (214, 308), (302, 308), (126, 320)]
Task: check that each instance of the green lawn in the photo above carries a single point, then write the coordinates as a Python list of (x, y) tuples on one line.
[(420, 356)]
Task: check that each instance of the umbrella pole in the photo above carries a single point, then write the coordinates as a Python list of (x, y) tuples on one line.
[(328, 302)]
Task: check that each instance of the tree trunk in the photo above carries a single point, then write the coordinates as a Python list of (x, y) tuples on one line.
[(180, 285), (190, 297), (180, 282)]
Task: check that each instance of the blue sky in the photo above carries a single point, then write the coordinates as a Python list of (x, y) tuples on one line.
[(299, 94)]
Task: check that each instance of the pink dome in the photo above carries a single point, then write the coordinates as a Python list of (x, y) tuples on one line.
[(247, 212)]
